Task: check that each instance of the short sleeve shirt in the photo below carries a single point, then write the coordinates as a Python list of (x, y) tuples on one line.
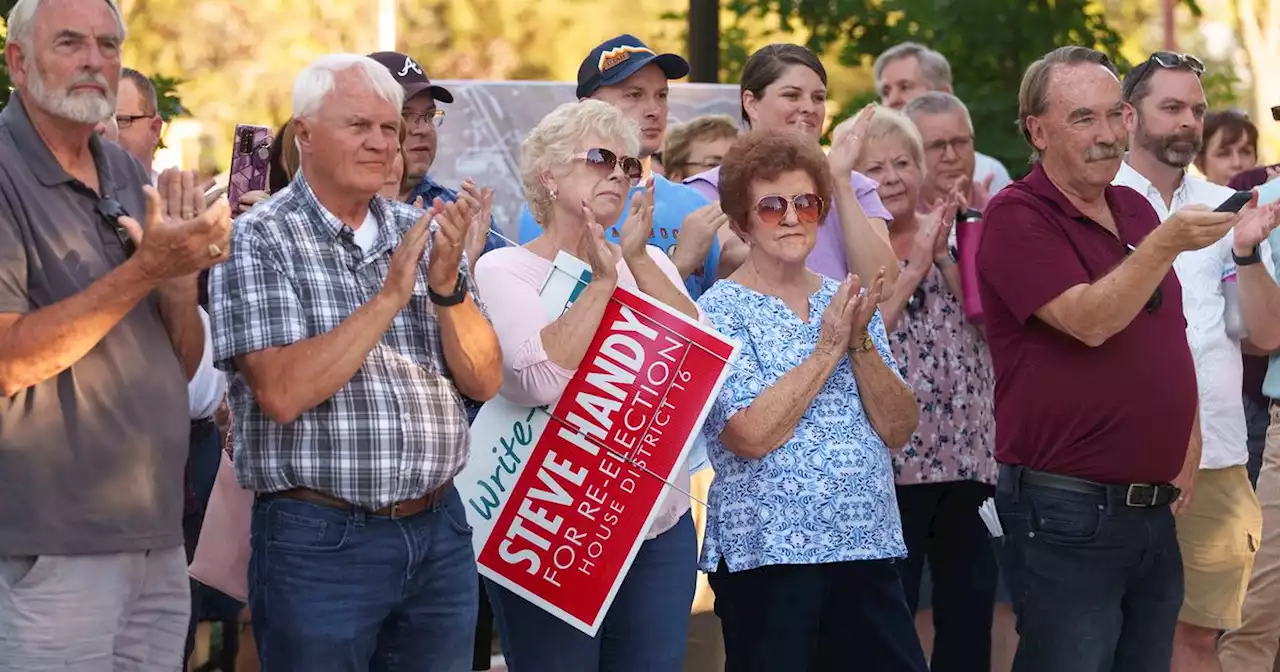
[(1117, 413), (397, 430), (92, 458), (827, 494)]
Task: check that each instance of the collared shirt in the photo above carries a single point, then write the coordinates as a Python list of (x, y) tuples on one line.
[(397, 429), (92, 458), (1120, 412), (672, 202), (828, 256), (430, 190), (827, 494), (1219, 367)]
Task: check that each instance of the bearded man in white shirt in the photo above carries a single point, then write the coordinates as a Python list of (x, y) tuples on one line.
[(1219, 523)]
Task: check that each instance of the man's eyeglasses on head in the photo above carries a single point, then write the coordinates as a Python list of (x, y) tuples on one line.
[(110, 210), (434, 117), (1167, 60)]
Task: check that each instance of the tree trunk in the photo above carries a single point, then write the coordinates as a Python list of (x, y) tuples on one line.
[(1259, 22)]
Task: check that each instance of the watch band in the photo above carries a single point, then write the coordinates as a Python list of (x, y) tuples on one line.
[(458, 296), (867, 345), (1253, 258)]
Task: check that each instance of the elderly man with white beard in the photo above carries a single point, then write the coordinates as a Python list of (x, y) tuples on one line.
[(99, 335)]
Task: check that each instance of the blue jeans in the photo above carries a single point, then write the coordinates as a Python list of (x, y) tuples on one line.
[(346, 591), (646, 627), (1096, 585)]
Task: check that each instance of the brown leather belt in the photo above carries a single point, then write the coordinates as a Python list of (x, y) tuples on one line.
[(409, 507)]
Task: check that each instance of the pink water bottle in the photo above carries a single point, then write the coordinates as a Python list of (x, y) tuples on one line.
[(968, 234)]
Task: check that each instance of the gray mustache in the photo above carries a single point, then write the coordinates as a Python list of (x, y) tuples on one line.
[(89, 78), (1104, 152)]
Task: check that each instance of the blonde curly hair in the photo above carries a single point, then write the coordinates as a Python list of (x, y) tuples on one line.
[(550, 146)]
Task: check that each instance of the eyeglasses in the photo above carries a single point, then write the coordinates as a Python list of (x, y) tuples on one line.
[(126, 120), (606, 161), (773, 209), (957, 145), (110, 210), (411, 119), (1167, 60)]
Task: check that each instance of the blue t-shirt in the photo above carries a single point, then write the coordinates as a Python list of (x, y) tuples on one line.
[(671, 204)]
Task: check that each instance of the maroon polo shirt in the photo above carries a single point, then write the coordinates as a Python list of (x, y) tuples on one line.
[(1254, 177), (1117, 413)]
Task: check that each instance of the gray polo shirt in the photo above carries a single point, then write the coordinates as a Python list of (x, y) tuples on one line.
[(91, 460)]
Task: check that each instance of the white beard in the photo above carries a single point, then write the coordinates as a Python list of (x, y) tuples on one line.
[(82, 107)]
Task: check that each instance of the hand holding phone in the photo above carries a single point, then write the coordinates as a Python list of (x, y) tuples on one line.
[(1236, 202), (250, 161)]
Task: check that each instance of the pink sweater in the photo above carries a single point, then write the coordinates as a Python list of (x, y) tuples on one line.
[(508, 280)]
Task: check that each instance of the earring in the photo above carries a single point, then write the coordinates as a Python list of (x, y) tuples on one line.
[(553, 194)]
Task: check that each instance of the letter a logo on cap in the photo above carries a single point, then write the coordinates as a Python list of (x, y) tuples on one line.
[(409, 65), (614, 57)]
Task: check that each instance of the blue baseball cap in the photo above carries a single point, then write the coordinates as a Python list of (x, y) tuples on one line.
[(617, 59)]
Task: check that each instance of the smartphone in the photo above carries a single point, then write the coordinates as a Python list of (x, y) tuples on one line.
[(1235, 202), (250, 161)]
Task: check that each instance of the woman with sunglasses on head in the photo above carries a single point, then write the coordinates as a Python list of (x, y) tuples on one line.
[(949, 469), (802, 523), (784, 87), (577, 166)]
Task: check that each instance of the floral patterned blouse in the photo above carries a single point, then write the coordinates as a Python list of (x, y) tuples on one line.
[(826, 495), (946, 361)]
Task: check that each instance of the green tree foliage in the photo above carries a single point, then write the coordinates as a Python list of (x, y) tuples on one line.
[(990, 43)]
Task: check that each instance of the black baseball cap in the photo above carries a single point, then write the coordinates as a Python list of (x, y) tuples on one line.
[(410, 75), (619, 58)]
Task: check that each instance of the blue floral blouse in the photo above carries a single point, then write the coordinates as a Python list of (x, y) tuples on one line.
[(826, 495)]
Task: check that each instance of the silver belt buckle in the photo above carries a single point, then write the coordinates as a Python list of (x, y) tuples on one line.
[(1128, 496)]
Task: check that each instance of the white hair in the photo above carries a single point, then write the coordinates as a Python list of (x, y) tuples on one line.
[(937, 102), (551, 144), (317, 80), (933, 65), (21, 20)]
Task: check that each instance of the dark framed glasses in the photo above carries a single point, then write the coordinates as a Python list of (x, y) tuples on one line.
[(110, 210), (1168, 60), (606, 161), (772, 209)]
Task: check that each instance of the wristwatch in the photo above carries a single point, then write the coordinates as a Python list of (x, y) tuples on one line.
[(1253, 258), (458, 296)]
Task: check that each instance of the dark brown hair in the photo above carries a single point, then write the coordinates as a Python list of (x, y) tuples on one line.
[(764, 155), (768, 63), (1232, 125), (284, 158)]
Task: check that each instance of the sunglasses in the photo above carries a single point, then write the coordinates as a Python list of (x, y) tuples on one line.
[(606, 161), (110, 210), (772, 209), (1169, 61)]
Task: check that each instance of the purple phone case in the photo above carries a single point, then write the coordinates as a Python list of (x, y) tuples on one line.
[(249, 168)]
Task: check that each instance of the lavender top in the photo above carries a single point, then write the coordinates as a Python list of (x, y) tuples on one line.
[(827, 257)]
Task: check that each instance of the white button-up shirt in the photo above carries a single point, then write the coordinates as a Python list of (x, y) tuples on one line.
[(1219, 370)]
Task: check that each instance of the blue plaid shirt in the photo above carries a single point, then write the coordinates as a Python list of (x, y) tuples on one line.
[(430, 190)]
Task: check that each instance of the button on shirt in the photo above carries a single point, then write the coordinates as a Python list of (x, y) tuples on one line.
[(1117, 413), (1219, 367), (397, 430), (827, 494)]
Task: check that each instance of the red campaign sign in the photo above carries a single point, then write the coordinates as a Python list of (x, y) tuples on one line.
[(583, 503)]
